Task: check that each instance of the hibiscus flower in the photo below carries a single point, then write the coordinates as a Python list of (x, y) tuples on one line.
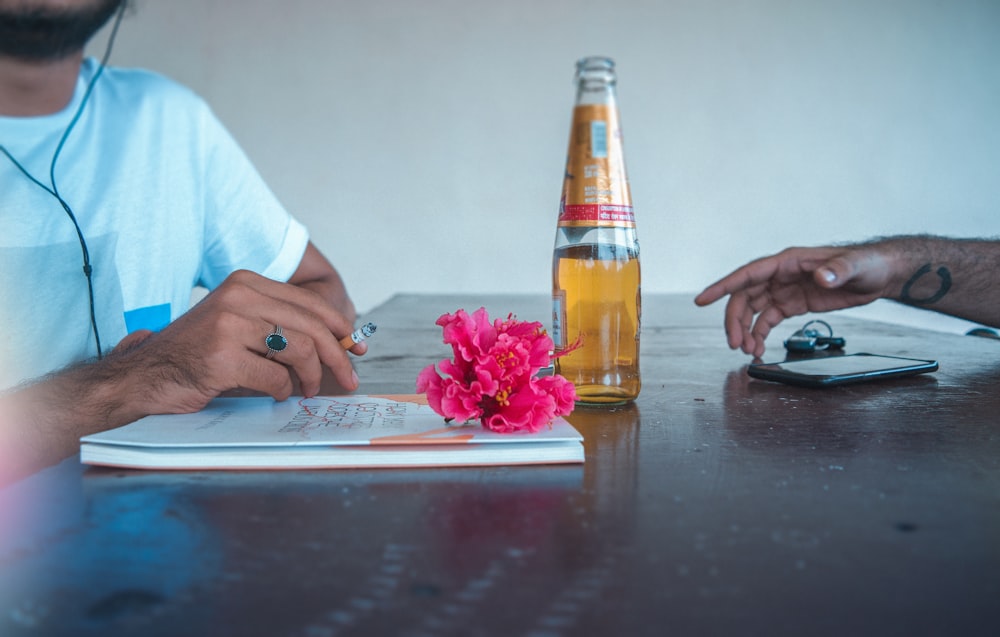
[(493, 375)]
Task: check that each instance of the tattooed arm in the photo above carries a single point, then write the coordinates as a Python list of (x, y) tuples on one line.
[(960, 277)]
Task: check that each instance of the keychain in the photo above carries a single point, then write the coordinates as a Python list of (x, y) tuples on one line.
[(809, 339)]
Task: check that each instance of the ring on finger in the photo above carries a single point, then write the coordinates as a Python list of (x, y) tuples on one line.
[(275, 342)]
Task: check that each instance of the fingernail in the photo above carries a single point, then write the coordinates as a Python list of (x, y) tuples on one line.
[(354, 377), (828, 275)]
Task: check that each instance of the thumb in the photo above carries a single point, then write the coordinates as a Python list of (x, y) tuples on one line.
[(132, 340), (836, 272)]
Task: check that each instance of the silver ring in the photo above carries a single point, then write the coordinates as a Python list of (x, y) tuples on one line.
[(275, 342)]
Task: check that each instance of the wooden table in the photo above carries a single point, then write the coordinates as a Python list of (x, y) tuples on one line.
[(714, 505)]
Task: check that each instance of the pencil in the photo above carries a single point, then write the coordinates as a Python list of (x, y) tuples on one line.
[(357, 335)]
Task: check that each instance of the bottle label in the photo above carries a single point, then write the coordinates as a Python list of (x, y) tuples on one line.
[(595, 188), (596, 215), (558, 319), (599, 139)]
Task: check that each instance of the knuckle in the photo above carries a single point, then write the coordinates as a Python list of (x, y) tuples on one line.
[(305, 345), (241, 277), (236, 287), (275, 380), (229, 322)]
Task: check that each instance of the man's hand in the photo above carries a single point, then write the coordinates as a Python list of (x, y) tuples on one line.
[(218, 345), (214, 347), (793, 282)]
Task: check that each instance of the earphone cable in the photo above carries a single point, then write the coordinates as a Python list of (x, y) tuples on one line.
[(88, 269)]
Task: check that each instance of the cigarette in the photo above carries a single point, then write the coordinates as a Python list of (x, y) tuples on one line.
[(357, 335)]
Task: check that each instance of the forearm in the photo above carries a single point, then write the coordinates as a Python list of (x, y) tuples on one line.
[(960, 277), (316, 274), (332, 290), (216, 346), (41, 423)]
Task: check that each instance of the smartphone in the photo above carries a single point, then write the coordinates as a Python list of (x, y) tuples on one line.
[(840, 370)]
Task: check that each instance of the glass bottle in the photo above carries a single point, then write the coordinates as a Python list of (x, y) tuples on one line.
[(596, 299)]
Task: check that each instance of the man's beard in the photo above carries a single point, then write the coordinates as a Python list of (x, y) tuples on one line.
[(45, 34)]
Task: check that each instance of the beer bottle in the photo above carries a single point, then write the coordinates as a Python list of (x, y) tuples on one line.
[(595, 265)]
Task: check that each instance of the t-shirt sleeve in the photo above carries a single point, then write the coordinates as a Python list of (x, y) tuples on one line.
[(246, 227)]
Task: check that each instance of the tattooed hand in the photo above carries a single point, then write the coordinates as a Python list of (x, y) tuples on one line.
[(957, 277)]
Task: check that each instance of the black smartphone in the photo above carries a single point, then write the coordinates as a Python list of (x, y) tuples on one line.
[(840, 370)]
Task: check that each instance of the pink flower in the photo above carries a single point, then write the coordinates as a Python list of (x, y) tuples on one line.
[(492, 376)]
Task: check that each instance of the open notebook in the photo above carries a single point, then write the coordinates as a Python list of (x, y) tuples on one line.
[(322, 432)]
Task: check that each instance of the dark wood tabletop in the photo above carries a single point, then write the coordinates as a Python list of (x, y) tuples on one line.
[(715, 504)]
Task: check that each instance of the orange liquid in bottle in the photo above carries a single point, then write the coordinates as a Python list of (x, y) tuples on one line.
[(598, 286)]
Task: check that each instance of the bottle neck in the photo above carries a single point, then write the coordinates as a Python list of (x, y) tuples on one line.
[(595, 80), (601, 95), (595, 188)]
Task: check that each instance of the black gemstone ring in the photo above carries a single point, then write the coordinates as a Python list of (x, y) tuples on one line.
[(275, 342)]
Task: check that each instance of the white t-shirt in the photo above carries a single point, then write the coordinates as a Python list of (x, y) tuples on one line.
[(165, 199)]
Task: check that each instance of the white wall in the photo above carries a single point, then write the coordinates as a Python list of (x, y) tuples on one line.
[(423, 141)]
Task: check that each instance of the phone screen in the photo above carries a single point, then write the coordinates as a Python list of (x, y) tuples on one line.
[(838, 370)]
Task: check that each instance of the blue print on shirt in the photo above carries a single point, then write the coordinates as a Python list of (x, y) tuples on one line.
[(154, 317)]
